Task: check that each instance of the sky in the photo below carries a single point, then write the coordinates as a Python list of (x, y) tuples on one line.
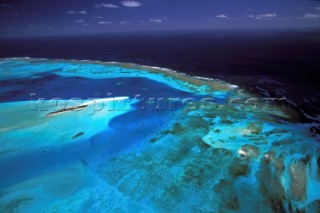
[(67, 17)]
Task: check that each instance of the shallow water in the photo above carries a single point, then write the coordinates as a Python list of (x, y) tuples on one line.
[(78, 136)]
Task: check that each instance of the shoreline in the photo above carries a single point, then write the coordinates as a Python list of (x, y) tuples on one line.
[(214, 84)]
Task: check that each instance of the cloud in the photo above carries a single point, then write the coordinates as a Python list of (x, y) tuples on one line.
[(104, 5), (221, 16), (311, 16), (83, 12), (104, 22), (79, 21), (131, 3), (318, 8), (72, 12), (267, 16), (124, 22), (6, 5), (156, 20)]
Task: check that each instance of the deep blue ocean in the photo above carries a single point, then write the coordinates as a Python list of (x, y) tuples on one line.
[(272, 63)]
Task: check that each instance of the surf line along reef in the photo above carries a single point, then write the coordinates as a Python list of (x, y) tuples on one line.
[(211, 156)]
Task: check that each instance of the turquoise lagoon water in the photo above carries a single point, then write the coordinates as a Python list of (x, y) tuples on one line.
[(80, 136)]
